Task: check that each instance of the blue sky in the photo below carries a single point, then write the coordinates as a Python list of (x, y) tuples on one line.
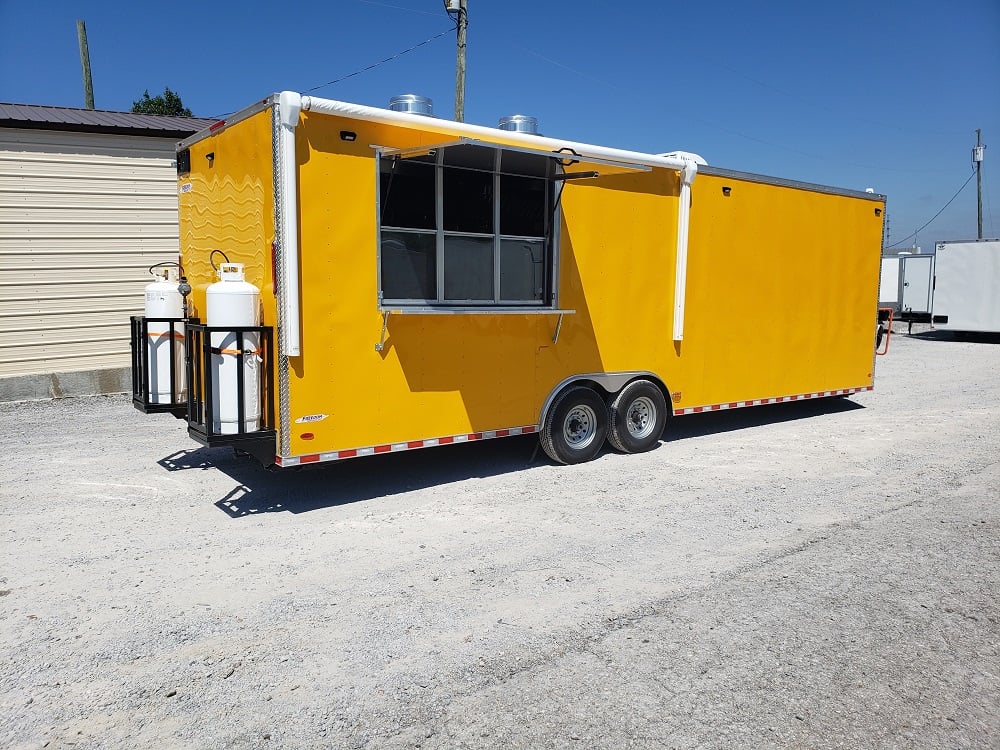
[(853, 94)]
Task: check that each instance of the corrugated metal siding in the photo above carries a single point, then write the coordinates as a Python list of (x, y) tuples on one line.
[(40, 116), (82, 216)]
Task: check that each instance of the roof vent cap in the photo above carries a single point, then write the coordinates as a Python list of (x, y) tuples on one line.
[(519, 124), (413, 103)]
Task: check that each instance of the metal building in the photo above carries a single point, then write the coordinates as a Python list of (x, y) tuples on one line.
[(87, 202)]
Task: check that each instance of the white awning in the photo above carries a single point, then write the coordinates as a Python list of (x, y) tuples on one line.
[(567, 156)]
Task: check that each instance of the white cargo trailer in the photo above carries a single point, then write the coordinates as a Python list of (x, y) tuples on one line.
[(916, 285), (888, 284), (906, 287), (967, 286)]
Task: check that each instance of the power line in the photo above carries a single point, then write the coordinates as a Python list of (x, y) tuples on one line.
[(935, 215), (381, 62), (400, 7), (362, 70)]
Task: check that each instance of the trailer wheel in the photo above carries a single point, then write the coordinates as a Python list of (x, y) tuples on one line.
[(575, 426), (638, 415)]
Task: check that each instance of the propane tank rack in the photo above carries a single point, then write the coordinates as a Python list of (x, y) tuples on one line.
[(204, 410), (145, 379)]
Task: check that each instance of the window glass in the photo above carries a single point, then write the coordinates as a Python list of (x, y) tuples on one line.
[(522, 206), (407, 193), (522, 270), (409, 268), (468, 201), (468, 268)]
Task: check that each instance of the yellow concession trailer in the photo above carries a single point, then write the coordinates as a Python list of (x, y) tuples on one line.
[(422, 282)]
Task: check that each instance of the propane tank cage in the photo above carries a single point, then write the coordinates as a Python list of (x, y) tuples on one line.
[(259, 443), (198, 408), (141, 397)]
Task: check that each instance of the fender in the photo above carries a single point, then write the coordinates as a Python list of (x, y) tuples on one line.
[(610, 382)]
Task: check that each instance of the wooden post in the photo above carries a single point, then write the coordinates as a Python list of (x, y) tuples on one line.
[(463, 24), (88, 83)]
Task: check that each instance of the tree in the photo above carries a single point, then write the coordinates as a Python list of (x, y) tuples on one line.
[(168, 103)]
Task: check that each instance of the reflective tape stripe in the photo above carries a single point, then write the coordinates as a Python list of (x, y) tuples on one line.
[(467, 437), (776, 400)]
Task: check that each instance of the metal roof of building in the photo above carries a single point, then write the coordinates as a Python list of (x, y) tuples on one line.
[(42, 117)]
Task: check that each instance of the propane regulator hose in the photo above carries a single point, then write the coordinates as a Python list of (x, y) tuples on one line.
[(211, 258), (165, 264)]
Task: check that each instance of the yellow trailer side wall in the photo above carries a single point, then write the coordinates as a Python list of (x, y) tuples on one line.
[(781, 296), (781, 292)]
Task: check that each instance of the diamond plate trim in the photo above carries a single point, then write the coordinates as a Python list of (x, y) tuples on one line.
[(278, 169)]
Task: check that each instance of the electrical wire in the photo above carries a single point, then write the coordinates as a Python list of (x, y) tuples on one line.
[(373, 65), (910, 236), (399, 7), (381, 62), (362, 70)]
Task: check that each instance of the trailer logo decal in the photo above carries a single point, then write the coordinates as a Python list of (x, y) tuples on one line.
[(311, 418), (187, 187)]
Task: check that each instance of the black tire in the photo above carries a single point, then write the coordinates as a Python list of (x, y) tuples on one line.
[(637, 417), (575, 426)]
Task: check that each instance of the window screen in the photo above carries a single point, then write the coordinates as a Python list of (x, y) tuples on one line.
[(409, 265), (468, 269), (522, 270)]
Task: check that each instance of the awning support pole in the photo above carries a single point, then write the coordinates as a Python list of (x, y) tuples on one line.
[(687, 174)]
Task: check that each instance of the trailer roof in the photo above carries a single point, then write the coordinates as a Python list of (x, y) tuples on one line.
[(77, 120), (769, 180)]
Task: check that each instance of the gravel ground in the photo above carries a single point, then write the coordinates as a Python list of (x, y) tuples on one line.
[(815, 574)]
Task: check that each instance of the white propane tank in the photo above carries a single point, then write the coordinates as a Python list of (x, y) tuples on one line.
[(163, 300), (233, 302)]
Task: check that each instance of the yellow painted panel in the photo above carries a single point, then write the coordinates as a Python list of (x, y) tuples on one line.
[(437, 375), (782, 291), (617, 247), (227, 204)]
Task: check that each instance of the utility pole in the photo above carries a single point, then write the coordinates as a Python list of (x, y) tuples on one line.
[(977, 158), (460, 8), (88, 83)]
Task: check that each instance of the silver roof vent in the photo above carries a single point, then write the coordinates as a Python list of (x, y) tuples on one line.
[(519, 124), (418, 105)]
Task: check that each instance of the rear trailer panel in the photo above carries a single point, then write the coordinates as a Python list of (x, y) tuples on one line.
[(967, 286)]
